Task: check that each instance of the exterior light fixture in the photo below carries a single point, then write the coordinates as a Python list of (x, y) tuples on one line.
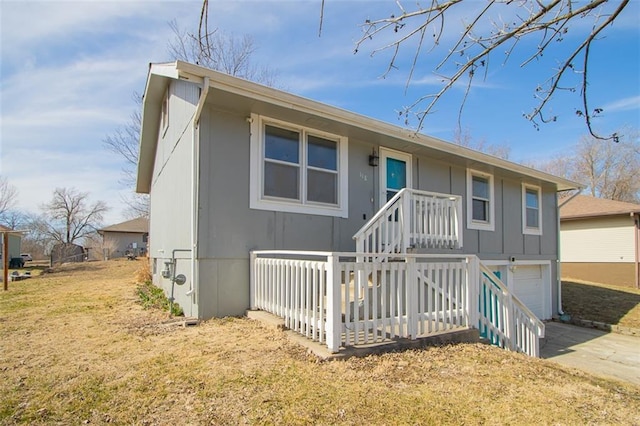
[(373, 159)]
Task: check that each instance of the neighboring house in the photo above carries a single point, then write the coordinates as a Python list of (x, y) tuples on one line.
[(126, 237), (232, 166), (600, 241), (14, 242)]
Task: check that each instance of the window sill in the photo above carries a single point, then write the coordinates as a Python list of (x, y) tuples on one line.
[(479, 226), (283, 206)]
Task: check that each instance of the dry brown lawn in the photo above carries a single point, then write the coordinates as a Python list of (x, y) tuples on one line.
[(77, 348), (603, 303)]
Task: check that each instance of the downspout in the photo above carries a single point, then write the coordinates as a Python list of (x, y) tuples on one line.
[(558, 263), (195, 200)]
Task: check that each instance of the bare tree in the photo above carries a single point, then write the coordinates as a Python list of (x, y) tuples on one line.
[(218, 51), (212, 49), (69, 216), (124, 142), (463, 138), (609, 170), (14, 219), (8, 195), (497, 28)]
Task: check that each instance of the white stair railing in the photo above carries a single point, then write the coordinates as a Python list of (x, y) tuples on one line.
[(503, 319), (413, 218)]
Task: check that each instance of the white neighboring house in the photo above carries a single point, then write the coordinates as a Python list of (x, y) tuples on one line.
[(130, 236), (600, 241)]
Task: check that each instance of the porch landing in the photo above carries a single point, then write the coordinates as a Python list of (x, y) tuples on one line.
[(466, 335)]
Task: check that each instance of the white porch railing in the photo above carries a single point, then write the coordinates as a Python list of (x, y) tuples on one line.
[(413, 218), (504, 320), (339, 301)]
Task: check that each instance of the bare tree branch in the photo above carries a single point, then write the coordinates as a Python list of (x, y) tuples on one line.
[(8, 195), (551, 20)]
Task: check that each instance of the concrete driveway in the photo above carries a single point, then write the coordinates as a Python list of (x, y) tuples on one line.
[(594, 351)]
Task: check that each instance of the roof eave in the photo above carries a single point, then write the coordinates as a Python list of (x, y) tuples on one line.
[(600, 215), (160, 73), (157, 80)]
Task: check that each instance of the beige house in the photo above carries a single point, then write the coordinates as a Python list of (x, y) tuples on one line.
[(600, 241), (121, 238)]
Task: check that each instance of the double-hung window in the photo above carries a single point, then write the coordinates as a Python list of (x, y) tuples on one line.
[(480, 201), (297, 169), (531, 210)]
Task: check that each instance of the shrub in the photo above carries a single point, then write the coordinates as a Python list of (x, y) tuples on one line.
[(152, 297), (143, 274)]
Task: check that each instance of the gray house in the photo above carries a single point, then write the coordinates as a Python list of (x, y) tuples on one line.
[(234, 167)]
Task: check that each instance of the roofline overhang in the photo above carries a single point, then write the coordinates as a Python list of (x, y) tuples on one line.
[(631, 213), (159, 75)]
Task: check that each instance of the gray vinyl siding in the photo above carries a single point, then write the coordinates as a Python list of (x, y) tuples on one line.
[(170, 214), (228, 229)]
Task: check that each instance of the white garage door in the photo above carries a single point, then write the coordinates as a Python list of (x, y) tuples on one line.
[(529, 287)]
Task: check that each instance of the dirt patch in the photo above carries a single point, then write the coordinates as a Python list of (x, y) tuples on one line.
[(78, 348)]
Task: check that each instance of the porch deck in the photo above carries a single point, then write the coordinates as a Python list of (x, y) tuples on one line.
[(346, 300)]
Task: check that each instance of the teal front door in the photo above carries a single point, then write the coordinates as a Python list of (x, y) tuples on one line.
[(395, 173)]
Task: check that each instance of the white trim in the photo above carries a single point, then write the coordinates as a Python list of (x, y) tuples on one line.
[(530, 230), (259, 202), (398, 155), (489, 225)]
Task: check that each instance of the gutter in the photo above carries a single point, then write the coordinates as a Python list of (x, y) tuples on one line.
[(558, 263)]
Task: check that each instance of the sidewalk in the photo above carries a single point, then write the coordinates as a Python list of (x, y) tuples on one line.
[(595, 351)]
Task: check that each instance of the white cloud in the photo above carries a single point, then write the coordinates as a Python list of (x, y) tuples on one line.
[(626, 104)]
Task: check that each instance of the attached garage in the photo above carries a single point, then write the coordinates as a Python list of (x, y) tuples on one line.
[(530, 286), (531, 283)]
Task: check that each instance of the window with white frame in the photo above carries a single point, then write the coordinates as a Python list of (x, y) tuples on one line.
[(297, 169), (531, 210), (480, 201)]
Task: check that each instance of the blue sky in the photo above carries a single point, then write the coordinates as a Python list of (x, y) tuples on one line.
[(69, 69)]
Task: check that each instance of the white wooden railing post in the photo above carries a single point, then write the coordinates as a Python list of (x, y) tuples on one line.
[(412, 298), (511, 323), (334, 312), (252, 281), (473, 291), (459, 221), (405, 220)]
